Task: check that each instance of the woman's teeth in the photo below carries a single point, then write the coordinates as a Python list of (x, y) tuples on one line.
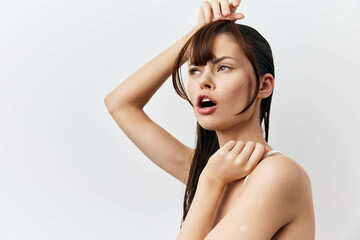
[(205, 100)]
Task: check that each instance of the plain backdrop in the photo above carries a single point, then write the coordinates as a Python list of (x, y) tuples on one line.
[(67, 171)]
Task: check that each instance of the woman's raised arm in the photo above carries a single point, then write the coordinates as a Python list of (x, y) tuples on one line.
[(126, 102)]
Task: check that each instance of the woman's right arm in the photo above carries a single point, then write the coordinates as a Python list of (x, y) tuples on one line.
[(126, 102)]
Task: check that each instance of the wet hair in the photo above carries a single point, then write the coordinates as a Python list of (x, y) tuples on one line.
[(198, 49)]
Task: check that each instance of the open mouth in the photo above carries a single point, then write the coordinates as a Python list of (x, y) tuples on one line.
[(205, 101)]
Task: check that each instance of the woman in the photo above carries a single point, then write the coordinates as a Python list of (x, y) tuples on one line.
[(231, 80)]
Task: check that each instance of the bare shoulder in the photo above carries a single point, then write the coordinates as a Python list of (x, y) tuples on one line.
[(281, 167), (286, 179)]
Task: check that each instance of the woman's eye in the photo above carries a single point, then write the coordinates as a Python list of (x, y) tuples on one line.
[(194, 71), (223, 67)]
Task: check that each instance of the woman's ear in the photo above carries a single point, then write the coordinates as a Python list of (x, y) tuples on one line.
[(266, 86)]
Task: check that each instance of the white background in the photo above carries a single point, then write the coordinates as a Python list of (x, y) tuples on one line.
[(68, 172)]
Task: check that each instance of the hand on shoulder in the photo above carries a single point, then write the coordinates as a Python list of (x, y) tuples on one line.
[(233, 161)]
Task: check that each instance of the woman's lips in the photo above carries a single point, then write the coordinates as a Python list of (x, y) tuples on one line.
[(205, 110)]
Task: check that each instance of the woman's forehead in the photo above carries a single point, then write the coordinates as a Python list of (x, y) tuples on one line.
[(225, 44)]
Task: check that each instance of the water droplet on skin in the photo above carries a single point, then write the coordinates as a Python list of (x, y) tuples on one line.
[(242, 228)]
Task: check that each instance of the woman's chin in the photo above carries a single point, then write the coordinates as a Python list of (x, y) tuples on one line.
[(219, 125), (209, 129), (211, 126)]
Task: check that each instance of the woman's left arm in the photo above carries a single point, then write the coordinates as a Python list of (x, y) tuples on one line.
[(198, 220), (232, 161)]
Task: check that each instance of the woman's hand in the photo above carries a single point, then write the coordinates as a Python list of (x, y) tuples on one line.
[(214, 10), (233, 161)]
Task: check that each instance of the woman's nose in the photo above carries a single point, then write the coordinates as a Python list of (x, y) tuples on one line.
[(206, 81)]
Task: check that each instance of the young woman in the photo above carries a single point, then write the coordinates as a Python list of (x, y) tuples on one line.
[(230, 85)]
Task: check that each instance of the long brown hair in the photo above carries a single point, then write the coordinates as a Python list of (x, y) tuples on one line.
[(257, 50)]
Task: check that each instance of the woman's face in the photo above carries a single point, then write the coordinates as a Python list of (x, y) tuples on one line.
[(228, 81)]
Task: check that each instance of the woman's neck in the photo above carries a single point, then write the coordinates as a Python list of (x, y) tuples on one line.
[(250, 131)]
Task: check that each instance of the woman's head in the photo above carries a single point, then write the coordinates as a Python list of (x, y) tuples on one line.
[(228, 63)]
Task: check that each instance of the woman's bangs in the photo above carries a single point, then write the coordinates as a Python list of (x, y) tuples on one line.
[(200, 47)]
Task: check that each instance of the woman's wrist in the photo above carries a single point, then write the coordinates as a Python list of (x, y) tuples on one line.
[(208, 181)]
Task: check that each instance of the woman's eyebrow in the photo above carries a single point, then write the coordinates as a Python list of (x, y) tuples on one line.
[(216, 60), (219, 59)]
